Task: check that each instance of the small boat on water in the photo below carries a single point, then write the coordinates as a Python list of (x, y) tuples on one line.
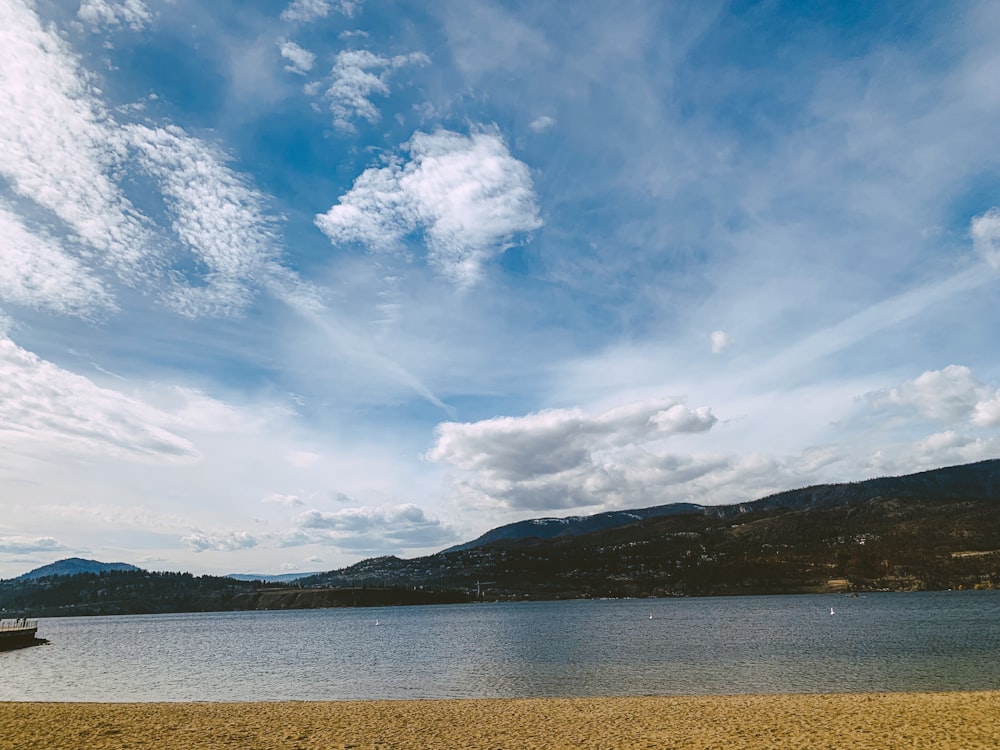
[(19, 633)]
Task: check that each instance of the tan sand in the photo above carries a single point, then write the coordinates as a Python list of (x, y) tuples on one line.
[(844, 722)]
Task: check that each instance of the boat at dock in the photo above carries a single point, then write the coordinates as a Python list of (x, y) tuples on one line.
[(19, 633)]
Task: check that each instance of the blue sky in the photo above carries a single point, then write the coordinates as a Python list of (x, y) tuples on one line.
[(285, 286)]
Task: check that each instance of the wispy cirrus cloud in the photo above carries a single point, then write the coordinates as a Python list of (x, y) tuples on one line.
[(216, 213), (58, 148), (65, 160), (468, 197), (41, 403), (38, 272), (355, 77)]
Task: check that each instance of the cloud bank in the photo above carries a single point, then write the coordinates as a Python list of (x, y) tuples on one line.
[(569, 458)]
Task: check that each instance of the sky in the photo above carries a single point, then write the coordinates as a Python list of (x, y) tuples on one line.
[(286, 285)]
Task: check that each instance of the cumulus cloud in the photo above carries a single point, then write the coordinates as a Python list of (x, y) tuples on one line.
[(218, 216), (226, 542), (467, 195), (985, 231), (945, 448), (720, 341), (987, 412), (58, 147), (107, 13), (949, 395), (363, 529), (37, 272), (356, 75), (42, 402), (563, 458), (300, 60)]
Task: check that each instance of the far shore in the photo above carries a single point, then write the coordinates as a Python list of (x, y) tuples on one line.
[(943, 721)]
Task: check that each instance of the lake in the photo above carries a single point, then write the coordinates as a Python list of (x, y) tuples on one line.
[(726, 645)]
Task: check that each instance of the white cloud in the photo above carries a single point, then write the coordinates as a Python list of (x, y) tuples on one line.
[(300, 60), (225, 542), (467, 194), (22, 544), (371, 528), (720, 341), (57, 145), (287, 501), (131, 13), (949, 395), (305, 11), (35, 271), (217, 215), (64, 157), (987, 412), (543, 123), (563, 458), (356, 75), (42, 403), (947, 448), (985, 231)]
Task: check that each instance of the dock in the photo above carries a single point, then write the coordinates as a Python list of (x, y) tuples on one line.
[(19, 633)]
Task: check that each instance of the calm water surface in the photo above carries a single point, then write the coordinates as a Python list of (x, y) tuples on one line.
[(877, 642)]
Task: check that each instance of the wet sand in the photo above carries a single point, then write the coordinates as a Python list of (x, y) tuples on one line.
[(846, 721)]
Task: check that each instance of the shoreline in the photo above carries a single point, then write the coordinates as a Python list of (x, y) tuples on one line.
[(965, 720)]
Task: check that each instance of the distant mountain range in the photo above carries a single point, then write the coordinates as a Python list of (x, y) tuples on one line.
[(552, 528), (72, 566), (981, 480), (930, 530), (933, 529)]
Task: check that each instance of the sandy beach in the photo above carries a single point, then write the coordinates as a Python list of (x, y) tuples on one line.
[(895, 720)]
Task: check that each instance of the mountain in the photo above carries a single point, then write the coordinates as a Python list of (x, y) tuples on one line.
[(552, 528), (931, 530), (74, 566), (980, 479)]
